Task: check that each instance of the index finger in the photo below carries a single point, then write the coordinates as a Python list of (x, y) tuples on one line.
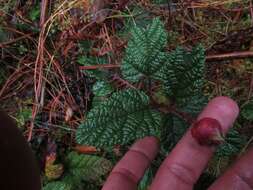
[(130, 169), (182, 168)]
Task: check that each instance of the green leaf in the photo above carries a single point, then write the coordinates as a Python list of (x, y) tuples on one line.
[(232, 146), (183, 73), (102, 88), (99, 74), (193, 105), (58, 185), (87, 167), (144, 54), (146, 180), (81, 168), (172, 131), (85, 45), (124, 117), (247, 111), (35, 13), (97, 100), (183, 76)]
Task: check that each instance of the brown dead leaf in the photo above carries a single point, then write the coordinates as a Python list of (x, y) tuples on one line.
[(50, 159), (84, 149), (86, 5)]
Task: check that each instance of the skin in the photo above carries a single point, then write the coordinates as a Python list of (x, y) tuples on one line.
[(18, 166), (183, 166)]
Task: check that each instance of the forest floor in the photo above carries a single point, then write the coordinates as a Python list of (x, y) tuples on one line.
[(45, 90)]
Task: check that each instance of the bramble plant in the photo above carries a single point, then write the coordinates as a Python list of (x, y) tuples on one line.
[(106, 73), (154, 92), (159, 82), (162, 93)]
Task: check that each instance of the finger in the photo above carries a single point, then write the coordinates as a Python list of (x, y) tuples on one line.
[(183, 166), (130, 169), (239, 177)]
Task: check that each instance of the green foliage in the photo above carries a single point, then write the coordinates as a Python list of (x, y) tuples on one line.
[(181, 72), (3, 35), (91, 61), (144, 54), (146, 180), (160, 1), (58, 186), (183, 75), (81, 168), (247, 111), (172, 131), (24, 115), (226, 153), (102, 88), (192, 105), (125, 116), (34, 14), (87, 167), (22, 49), (232, 146)]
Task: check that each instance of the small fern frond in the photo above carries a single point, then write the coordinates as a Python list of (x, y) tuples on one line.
[(144, 54), (124, 117)]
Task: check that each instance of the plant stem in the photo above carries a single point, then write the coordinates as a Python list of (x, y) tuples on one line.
[(172, 109)]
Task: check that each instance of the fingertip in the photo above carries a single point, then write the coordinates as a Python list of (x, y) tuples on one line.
[(223, 109), (130, 169)]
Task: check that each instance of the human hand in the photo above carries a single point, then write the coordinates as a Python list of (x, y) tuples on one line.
[(183, 166)]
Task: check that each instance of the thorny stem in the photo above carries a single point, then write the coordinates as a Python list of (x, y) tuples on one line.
[(173, 110)]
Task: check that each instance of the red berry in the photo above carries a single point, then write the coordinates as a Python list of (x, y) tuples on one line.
[(207, 131)]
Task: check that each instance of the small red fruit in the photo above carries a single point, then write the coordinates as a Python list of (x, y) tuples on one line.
[(207, 131)]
